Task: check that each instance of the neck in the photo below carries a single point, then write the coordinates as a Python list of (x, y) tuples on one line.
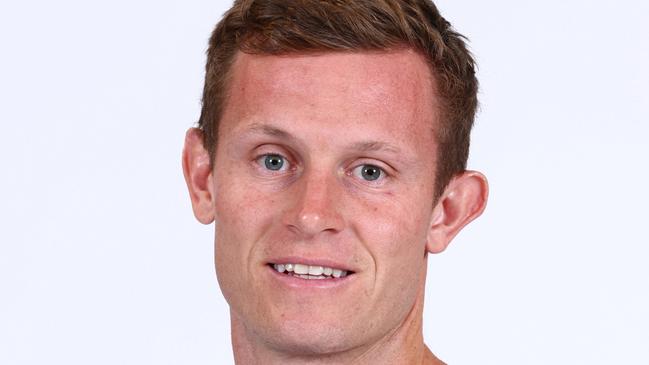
[(402, 345)]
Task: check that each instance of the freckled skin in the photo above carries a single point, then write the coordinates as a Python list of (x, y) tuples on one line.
[(315, 111), (384, 231)]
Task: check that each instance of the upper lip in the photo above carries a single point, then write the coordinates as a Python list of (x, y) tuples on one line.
[(334, 264)]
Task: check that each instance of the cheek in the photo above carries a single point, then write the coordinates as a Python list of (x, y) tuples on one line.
[(394, 235), (240, 209), (241, 220), (394, 227), (394, 232)]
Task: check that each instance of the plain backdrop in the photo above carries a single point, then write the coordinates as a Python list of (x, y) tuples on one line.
[(102, 261)]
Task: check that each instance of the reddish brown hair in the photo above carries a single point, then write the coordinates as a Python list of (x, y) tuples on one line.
[(276, 27)]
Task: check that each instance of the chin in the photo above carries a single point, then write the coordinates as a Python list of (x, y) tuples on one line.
[(309, 338), (310, 346)]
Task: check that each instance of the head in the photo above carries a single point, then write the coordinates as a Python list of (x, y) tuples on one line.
[(334, 134), (314, 27)]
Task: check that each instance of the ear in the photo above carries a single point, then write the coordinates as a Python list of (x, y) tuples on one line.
[(463, 200), (198, 175)]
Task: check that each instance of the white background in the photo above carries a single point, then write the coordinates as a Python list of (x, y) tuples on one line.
[(102, 262)]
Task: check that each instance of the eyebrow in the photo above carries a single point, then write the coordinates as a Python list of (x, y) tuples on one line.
[(362, 146), (375, 146), (269, 130)]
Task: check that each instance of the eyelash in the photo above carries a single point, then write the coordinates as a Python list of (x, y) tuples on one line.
[(260, 161), (383, 174), (357, 172)]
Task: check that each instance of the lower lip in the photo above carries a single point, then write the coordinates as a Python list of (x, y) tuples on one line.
[(299, 283)]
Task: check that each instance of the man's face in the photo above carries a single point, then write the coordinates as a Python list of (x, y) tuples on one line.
[(328, 161)]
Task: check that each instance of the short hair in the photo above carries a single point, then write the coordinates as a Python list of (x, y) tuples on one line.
[(281, 27)]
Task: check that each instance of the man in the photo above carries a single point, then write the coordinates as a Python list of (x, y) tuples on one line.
[(331, 154)]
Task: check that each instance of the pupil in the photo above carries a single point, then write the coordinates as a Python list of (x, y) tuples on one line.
[(370, 172), (274, 162)]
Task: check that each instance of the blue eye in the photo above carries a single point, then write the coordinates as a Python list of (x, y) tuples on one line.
[(274, 162), (369, 172)]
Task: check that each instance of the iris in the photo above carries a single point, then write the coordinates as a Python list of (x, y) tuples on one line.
[(370, 172), (274, 162)]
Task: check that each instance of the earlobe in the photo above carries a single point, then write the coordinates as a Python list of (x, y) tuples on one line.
[(198, 176), (463, 200)]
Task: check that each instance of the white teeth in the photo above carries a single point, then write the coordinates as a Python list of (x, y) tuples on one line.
[(316, 270), (310, 272), (301, 269), (312, 277)]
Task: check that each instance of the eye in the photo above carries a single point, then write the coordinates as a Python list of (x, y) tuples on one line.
[(274, 162), (369, 172)]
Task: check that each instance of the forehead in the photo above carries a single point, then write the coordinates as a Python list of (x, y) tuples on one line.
[(390, 93), (381, 75)]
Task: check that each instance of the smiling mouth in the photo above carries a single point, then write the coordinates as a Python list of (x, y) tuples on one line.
[(310, 272)]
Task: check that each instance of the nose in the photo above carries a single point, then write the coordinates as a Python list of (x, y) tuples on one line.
[(315, 205)]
